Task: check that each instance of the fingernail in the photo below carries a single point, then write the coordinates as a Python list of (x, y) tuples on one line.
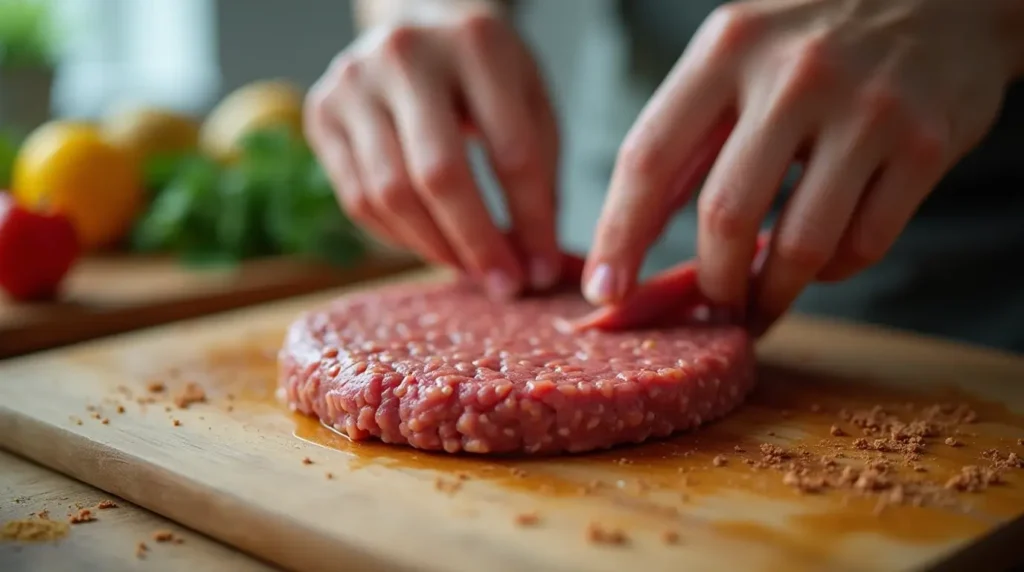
[(602, 287), (499, 285), (543, 274)]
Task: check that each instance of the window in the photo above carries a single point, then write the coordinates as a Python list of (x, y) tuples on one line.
[(161, 52)]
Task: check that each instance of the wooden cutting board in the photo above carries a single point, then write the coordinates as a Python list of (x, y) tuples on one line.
[(120, 293), (241, 469)]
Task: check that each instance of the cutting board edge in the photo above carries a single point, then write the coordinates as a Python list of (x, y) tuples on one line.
[(297, 553)]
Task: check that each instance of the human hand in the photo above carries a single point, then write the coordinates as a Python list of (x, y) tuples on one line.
[(388, 120), (882, 97)]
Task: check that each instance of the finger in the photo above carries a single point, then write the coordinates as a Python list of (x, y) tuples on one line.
[(331, 145), (497, 99), (883, 213), (815, 218), (738, 194), (429, 131), (673, 127), (386, 182), (699, 166)]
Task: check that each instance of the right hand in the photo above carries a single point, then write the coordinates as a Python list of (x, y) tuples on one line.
[(388, 121)]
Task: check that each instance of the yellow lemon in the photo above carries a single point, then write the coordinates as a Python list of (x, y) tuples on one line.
[(146, 132), (254, 106), (68, 167)]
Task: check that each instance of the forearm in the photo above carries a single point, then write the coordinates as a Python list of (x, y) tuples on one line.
[(369, 13)]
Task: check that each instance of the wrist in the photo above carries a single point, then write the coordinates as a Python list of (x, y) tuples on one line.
[(371, 13)]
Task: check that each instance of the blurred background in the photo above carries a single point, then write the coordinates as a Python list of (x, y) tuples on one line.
[(185, 54), (183, 85), (152, 165)]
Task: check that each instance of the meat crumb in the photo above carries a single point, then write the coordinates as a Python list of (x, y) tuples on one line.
[(192, 393), (952, 442), (307, 461), (82, 516), (719, 461), (105, 421), (670, 537), (163, 536), (836, 431), (527, 518), (596, 534), (43, 514), (156, 387), (176, 422), (450, 487), (973, 478), (140, 550), (39, 529), (106, 504), (120, 408)]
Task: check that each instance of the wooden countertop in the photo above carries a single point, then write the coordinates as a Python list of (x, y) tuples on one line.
[(242, 469), (107, 545)]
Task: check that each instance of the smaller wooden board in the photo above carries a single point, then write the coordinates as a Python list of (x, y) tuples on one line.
[(116, 294)]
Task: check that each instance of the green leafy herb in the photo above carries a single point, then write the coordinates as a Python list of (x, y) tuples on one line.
[(8, 152), (274, 199), (26, 34)]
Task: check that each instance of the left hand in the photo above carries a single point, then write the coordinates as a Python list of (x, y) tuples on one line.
[(883, 96)]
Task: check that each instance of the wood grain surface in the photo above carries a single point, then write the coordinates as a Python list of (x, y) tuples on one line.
[(119, 293), (111, 542), (242, 469)]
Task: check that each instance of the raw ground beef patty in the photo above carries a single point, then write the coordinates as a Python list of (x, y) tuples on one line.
[(441, 367)]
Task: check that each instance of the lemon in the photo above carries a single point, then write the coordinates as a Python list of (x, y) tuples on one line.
[(148, 131), (254, 106), (68, 167)]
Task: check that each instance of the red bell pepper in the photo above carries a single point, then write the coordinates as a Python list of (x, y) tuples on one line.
[(36, 251)]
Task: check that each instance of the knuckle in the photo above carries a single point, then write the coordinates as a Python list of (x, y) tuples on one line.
[(398, 46), (438, 178), (346, 71), (514, 158), (316, 108), (393, 194), (357, 206), (479, 29), (880, 104), (723, 217), (864, 251), (811, 66), (640, 157), (802, 251), (733, 26), (928, 144)]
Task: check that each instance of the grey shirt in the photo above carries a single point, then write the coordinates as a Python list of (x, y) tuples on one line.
[(952, 272)]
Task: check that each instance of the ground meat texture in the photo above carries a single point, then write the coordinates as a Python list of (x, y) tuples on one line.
[(441, 367)]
